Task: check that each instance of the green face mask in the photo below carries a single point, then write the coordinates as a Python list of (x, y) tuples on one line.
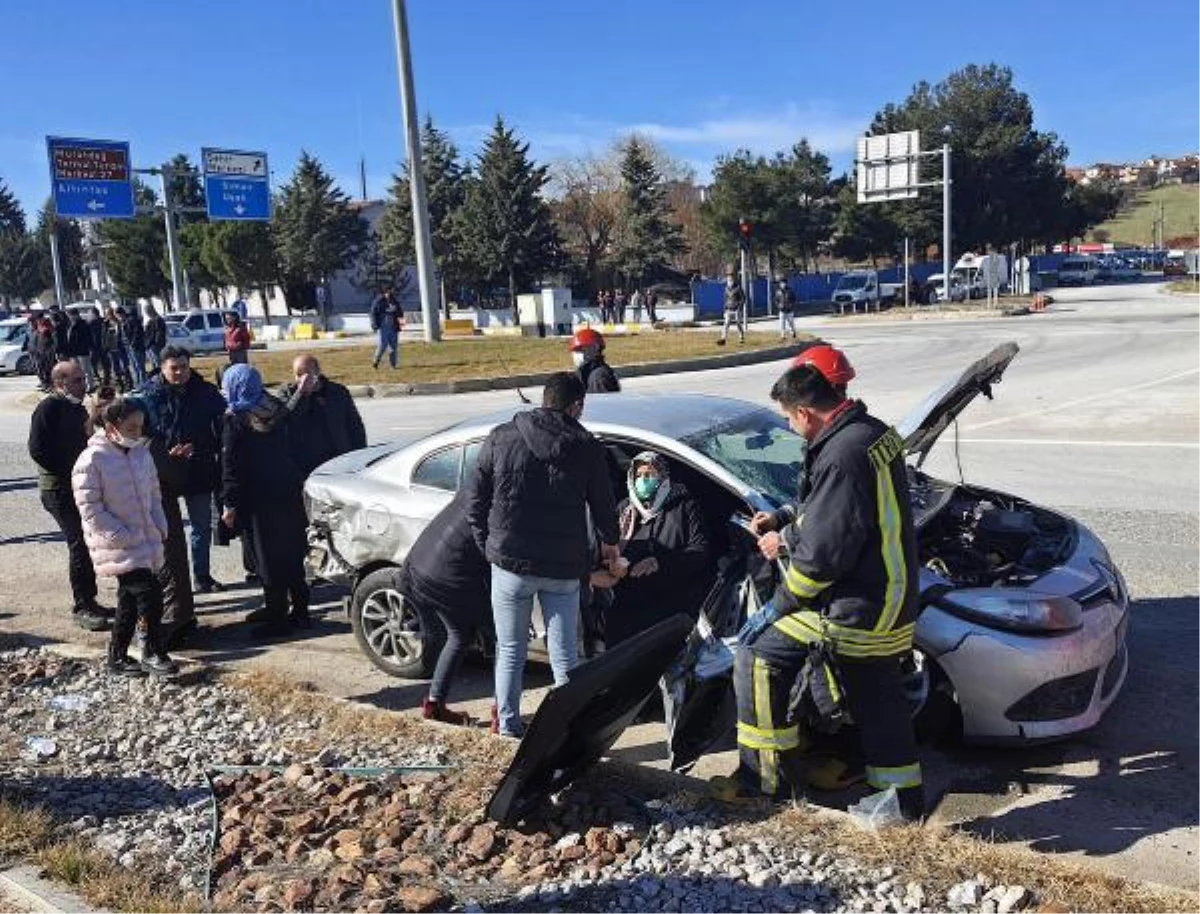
[(645, 487)]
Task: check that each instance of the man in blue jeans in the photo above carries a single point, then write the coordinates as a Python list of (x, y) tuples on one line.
[(535, 480)]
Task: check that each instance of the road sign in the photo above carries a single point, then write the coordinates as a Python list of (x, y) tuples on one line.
[(90, 179), (236, 184), (887, 166)]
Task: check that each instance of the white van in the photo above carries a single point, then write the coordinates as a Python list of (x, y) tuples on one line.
[(1077, 270), (197, 331)]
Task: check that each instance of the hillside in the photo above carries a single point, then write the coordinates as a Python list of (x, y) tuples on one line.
[(1134, 224)]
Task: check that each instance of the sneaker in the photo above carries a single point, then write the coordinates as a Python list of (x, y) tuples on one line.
[(162, 665), (208, 584), (300, 619), (437, 710), (106, 611), (92, 621), (127, 667), (721, 342)]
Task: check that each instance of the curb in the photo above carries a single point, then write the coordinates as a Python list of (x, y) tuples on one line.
[(24, 885), (636, 370)]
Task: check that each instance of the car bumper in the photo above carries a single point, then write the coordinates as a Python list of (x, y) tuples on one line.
[(322, 560), (1015, 688)]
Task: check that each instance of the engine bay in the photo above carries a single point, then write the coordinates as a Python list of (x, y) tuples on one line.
[(978, 538)]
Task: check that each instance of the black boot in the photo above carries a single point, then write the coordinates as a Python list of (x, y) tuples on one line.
[(275, 625), (299, 616), (124, 624)]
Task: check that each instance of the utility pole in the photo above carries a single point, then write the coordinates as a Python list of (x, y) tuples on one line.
[(177, 287), (946, 221), (60, 294), (416, 180)]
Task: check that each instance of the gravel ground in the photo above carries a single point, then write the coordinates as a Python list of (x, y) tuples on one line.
[(122, 763)]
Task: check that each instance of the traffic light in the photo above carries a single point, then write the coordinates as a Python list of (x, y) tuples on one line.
[(745, 232)]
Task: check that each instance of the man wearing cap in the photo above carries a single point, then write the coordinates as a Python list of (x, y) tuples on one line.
[(587, 352)]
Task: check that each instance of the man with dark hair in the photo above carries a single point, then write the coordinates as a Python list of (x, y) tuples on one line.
[(535, 479), (324, 421), (844, 612), (57, 436), (735, 309)]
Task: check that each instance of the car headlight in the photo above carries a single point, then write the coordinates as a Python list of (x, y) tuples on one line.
[(1016, 610), (322, 511)]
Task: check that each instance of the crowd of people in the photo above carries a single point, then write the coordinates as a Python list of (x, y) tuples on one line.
[(114, 468), (616, 305), (110, 348)]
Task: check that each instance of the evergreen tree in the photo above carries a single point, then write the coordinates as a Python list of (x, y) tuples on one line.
[(70, 248), (12, 217), (805, 202), (445, 190), (741, 189), (20, 267), (648, 238), (240, 254), (137, 249), (316, 232), (505, 226)]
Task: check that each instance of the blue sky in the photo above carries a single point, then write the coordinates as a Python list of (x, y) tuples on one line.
[(702, 77)]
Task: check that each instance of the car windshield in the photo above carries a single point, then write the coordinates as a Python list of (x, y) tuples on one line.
[(758, 448), (852, 282), (11, 333)]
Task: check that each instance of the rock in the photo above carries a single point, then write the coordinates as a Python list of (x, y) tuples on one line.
[(348, 836), (417, 865), (761, 879), (964, 894), (294, 773), (569, 840), (574, 852), (299, 893), (348, 852), (1014, 898), (231, 842), (422, 898), (675, 847), (482, 844)]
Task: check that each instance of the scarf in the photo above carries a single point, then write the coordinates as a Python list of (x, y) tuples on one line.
[(637, 513), (243, 388)]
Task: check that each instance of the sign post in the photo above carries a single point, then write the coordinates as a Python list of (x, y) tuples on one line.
[(237, 185), (90, 179)]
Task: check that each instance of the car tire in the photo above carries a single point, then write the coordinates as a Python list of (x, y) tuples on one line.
[(397, 636), (25, 364), (937, 718)]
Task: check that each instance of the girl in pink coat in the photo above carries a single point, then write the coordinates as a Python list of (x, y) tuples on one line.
[(116, 489)]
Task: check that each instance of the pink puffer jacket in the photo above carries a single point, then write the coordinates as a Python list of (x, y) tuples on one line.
[(121, 507)]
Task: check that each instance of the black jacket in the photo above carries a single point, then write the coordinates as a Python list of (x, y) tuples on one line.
[(186, 414), (534, 477), (57, 436), (676, 538), (734, 298), (785, 299), (258, 474), (79, 339), (444, 570), (599, 378), (851, 571), (133, 332), (324, 425), (156, 334)]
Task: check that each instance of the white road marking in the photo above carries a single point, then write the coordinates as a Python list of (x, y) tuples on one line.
[(1069, 404), (1072, 442)]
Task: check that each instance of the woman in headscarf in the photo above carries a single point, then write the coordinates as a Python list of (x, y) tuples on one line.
[(663, 537), (262, 491)]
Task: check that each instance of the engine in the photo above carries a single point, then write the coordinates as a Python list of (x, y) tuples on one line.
[(984, 539)]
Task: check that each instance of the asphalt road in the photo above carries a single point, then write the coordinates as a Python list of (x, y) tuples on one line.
[(1098, 416)]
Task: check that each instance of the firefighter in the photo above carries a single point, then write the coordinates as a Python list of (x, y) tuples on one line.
[(842, 617), (587, 352)]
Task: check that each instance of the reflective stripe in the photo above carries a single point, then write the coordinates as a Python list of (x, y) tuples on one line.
[(890, 526), (901, 777), (756, 738), (801, 584), (767, 762), (808, 627)]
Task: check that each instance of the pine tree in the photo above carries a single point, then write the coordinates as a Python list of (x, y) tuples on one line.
[(20, 267), (315, 230), (445, 191), (12, 217), (507, 234), (648, 239), (137, 248)]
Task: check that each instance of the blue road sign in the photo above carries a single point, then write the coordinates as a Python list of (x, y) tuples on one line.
[(91, 179), (236, 184)]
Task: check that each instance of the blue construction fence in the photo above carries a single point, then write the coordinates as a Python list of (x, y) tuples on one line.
[(817, 288)]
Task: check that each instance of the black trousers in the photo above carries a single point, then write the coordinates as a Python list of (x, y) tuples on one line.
[(60, 504), (276, 598), (175, 576), (459, 635), (139, 594), (770, 744)]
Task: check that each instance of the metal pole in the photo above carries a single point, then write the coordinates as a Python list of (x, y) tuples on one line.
[(946, 221), (60, 294), (907, 303), (416, 180), (177, 289)]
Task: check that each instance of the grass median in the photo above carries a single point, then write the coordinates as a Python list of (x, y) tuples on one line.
[(491, 357)]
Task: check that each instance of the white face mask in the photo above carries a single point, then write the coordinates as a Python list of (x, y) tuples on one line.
[(578, 358), (126, 442)]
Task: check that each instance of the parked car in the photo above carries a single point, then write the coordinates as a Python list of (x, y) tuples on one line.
[(197, 330), (1175, 264), (1022, 632), (15, 357), (863, 287), (1077, 271)]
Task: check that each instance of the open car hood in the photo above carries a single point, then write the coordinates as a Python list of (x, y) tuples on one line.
[(922, 427), (577, 723)]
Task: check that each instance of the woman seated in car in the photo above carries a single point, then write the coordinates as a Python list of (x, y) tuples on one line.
[(664, 540)]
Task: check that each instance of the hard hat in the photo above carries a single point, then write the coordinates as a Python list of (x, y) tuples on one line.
[(585, 337), (829, 361)]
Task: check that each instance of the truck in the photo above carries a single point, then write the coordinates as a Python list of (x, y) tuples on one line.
[(969, 278), (862, 287)]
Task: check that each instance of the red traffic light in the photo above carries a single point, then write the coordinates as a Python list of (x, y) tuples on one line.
[(745, 229)]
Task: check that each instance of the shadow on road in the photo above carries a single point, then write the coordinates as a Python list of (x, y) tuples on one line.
[(17, 485)]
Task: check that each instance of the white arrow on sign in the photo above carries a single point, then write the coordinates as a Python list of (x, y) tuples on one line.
[(228, 162), (239, 209), (94, 205)]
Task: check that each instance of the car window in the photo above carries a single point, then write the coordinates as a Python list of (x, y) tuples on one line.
[(440, 470), (470, 458), (759, 449), (214, 321), (195, 322)]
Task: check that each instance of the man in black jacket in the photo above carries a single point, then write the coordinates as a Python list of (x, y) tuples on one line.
[(587, 352), (324, 421), (535, 479), (135, 342), (57, 436), (156, 335)]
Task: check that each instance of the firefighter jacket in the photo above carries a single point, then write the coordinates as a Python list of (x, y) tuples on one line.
[(850, 568)]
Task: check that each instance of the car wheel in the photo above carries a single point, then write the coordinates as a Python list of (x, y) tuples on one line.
[(396, 635), (25, 364), (937, 718)]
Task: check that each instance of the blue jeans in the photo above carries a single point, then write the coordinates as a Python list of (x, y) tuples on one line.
[(200, 514), (512, 611), (389, 342), (137, 365)]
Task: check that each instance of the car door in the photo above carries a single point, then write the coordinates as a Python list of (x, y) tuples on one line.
[(214, 331)]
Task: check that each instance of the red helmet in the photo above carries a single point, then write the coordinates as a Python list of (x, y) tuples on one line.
[(585, 337), (829, 361)]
